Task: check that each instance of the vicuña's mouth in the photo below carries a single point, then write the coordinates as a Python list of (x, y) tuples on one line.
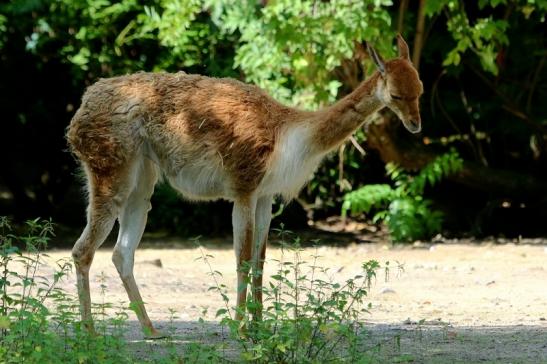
[(413, 126)]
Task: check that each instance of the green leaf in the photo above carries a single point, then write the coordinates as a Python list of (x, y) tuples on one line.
[(433, 7), (221, 312), (4, 322)]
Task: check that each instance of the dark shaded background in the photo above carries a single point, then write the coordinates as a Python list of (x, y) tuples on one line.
[(504, 116)]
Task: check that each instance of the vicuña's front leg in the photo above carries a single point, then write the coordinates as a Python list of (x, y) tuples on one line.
[(263, 218), (243, 221)]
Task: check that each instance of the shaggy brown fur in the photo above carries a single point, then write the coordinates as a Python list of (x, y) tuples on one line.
[(183, 117)]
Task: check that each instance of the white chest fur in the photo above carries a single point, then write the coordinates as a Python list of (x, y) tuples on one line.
[(293, 163)]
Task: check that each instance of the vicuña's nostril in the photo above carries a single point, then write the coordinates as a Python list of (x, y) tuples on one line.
[(414, 125)]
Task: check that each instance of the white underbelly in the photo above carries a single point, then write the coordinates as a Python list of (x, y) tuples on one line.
[(199, 182)]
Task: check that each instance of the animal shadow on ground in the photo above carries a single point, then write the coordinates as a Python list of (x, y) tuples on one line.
[(425, 342)]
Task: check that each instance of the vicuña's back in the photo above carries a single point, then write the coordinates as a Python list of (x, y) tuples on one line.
[(181, 122)]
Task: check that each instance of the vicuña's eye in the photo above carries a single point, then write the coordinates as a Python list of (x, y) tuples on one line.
[(394, 97)]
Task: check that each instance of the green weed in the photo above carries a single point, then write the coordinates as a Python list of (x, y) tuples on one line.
[(408, 215), (39, 322), (308, 315)]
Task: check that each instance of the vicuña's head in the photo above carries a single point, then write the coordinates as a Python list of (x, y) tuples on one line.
[(400, 87)]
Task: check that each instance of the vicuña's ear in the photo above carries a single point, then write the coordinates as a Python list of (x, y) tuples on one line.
[(378, 60), (403, 48)]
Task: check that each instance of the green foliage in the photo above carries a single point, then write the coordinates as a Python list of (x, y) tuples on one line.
[(188, 35), (39, 322), (176, 27), (103, 37), (291, 48), (407, 214), (487, 36), (90, 32), (3, 29), (484, 62), (308, 316)]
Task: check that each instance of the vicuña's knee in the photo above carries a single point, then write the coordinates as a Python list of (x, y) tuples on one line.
[(139, 203), (82, 255), (122, 262)]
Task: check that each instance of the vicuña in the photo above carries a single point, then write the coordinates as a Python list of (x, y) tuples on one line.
[(211, 139)]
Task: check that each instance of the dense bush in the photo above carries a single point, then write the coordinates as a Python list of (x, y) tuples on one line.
[(482, 63)]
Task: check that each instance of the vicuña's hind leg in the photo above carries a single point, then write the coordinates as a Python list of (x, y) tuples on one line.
[(101, 215), (132, 220)]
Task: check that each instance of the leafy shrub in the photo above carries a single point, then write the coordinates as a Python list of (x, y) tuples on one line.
[(408, 215), (307, 316), (31, 331)]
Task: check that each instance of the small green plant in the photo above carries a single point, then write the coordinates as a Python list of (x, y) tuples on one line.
[(407, 214), (308, 316), (39, 322)]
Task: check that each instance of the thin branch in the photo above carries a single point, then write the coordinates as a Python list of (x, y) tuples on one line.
[(401, 18), (341, 166), (436, 99), (509, 105), (419, 37), (533, 85), (479, 154)]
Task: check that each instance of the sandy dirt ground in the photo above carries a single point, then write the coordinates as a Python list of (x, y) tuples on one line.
[(454, 301)]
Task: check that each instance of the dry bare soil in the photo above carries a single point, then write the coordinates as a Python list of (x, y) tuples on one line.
[(454, 301)]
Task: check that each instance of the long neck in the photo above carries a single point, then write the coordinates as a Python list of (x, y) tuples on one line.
[(334, 124)]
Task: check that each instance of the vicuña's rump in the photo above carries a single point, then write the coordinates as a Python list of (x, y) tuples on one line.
[(211, 138)]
